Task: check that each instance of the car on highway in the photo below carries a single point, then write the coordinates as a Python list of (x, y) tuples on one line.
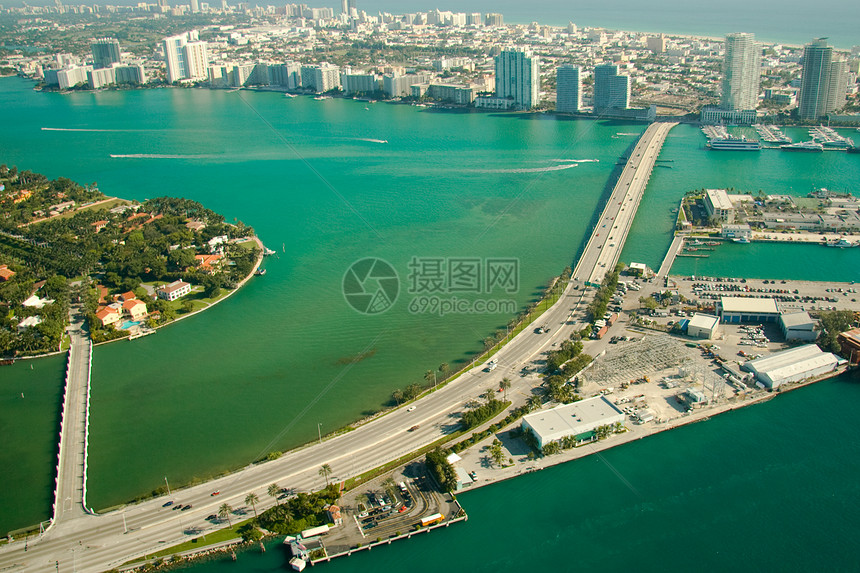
[(411, 409), (413, 428), (218, 492), (177, 506), (187, 507), (211, 517), (168, 504)]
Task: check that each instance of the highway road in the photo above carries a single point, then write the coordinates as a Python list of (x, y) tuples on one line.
[(94, 543)]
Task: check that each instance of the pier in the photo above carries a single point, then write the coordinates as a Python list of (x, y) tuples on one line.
[(669, 260), (603, 249)]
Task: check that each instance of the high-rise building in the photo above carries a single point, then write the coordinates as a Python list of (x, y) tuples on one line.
[(195, 6), (568, 83), (105, 52), (823, 81), (494, 19), (741, 72), (186, 57), (657, 44), (518, 77), (611, 89)]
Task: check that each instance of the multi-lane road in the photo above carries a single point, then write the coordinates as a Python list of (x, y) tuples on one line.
[(94, 543)]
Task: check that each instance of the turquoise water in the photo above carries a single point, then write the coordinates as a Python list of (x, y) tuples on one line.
[(765, 488), (224, 388)]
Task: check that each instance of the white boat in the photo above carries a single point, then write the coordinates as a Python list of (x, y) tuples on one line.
[(732, 143), (807, 146), (268, 252), (742, 240), (289, 95), (842, 243)]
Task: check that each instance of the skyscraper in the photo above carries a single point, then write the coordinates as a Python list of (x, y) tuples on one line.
[(105, 52), (186, 57), (611, 90), (568, 82), (822, 81), (741, 72), (518, 77)]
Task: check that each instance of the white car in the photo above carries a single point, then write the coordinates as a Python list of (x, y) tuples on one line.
[(410, 408)]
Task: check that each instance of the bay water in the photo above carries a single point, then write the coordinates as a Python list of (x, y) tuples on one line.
[(326, 183)]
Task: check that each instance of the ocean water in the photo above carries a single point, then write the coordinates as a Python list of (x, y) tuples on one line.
[(259, 371), (770, 20), (768, 487)]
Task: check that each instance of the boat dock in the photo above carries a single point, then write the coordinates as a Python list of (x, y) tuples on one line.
[(715, 132), (669, 259), (828, 137), (772, 134)]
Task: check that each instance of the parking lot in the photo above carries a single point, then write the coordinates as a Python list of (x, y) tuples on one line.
[(388, 506)]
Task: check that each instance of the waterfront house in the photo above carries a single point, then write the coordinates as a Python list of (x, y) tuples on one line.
[(127, 296), (108, 315), (173, 291), (35, 302), (136, 309), (99, 225), (208, 263), (334, 515), (29, 322)]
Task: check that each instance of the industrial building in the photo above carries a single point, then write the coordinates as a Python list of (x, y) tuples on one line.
[(791, 365), (849, 342), (718, 205), (798, 326), (740, 309), (703, 326), (578, 419)]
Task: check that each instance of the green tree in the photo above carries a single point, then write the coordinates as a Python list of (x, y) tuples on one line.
[(444, 369), (430, 377), (224, 513), (252, 499), (274, 491), (534, 403), (325, 471), (504, 385), (497, 453)]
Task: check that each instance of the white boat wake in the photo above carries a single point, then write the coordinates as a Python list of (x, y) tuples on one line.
[(620, 133), (92, 130), (158, 156), (576, 160), (368, 139), (530, 169)]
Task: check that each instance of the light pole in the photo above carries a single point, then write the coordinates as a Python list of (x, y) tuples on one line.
[(319, 431), (168, 486), (124, 524)]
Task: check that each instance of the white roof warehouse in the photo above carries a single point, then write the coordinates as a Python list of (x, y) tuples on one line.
[(571, 419), (791, 365)]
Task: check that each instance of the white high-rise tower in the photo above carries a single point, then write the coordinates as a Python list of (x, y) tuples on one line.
[(518, 77), (741, 72), (186, 57)]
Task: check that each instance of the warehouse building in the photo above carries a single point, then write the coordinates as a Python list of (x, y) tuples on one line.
[(798, 326), (740, 309), (579, 419), (791, 365), (703, 326), (849, 341)]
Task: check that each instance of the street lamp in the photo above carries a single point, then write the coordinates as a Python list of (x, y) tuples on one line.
[(319, 431), (168, 486)]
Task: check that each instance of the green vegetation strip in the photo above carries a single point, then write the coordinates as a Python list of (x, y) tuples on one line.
[(201, 542)]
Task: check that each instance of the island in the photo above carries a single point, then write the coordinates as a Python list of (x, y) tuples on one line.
[(131, 266)]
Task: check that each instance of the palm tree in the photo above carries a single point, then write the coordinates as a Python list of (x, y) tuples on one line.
[(252, 499), (224, 513), (488, 395), (504, 385), (274, 490), (325, 471), (533, 403), (444, 368), (430, 376), (397, 395)]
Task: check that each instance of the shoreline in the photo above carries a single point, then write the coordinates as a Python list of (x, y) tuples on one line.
[(505, 473)]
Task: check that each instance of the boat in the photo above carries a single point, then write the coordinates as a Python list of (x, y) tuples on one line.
[(842, 243), (141, 332), (713, 243), (853, 150), (321, 98), (732, 143), (7, 362), (691, 249), (268, 252), (260, 272), (807, 146), (742, 240), (289, 95)]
